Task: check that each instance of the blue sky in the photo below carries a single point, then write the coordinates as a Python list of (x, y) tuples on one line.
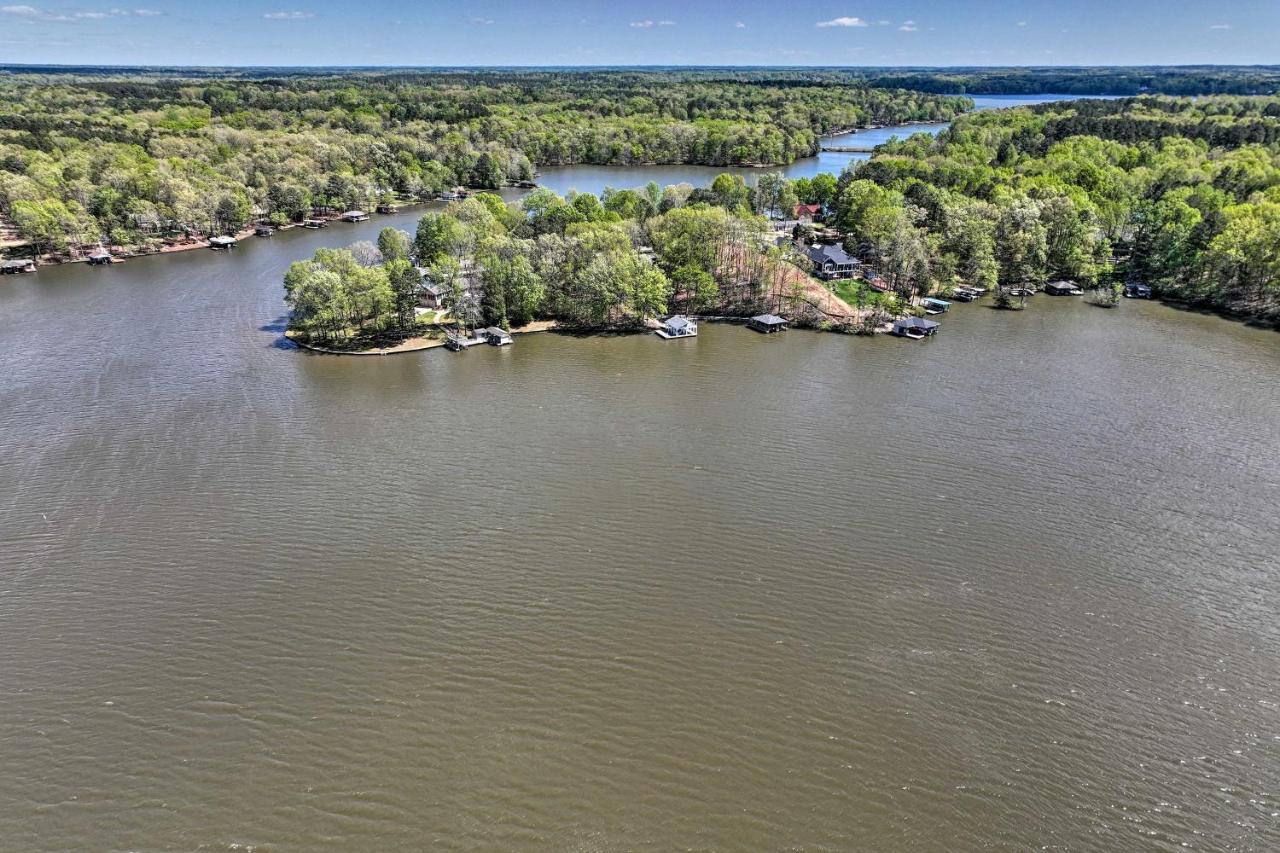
[(639, 32)]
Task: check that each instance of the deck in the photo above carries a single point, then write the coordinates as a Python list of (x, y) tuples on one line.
[(455, 343)]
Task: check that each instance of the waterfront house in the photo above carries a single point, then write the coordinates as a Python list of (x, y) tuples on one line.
[(767, 323), (831, 262), (1062, 288), (914, 327), (1135, 290), (355, 216), (222, 242), (934, 306), (678, 326), (806, 213), (100, 256), (497, 337), (432, 296)]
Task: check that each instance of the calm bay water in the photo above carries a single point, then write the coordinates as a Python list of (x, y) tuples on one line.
[(594, 179), (1009, 588)]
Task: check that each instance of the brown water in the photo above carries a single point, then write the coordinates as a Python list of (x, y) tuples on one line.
[(1012, 588)]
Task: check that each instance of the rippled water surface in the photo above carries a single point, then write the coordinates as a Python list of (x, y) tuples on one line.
[(1011, 588)]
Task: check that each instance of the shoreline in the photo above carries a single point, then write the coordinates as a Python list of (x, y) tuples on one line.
[(418, 344)]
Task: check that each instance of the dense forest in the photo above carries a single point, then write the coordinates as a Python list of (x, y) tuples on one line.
[(1090, 80), (124, 160), (1175, 193), (1082, 80)]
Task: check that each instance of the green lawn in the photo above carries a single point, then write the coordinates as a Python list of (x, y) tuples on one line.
[(850, 289)]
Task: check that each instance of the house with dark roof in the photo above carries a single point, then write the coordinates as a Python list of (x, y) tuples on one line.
[(830, 261)]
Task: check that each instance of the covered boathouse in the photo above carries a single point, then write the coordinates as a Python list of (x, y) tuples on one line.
[(355, 216), (678, 326), (222, 242), (767, 323), (497, 337), (1063, 288), (934, 306), (18, 265), (914, 327)]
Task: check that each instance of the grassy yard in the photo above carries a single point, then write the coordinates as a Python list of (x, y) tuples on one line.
[(857, 292)]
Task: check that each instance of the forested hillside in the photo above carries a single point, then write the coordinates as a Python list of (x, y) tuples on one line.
[(118, 159), (1175, 193)]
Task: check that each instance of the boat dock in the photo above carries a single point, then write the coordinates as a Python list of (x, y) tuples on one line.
[(457, 343), (494, 336)]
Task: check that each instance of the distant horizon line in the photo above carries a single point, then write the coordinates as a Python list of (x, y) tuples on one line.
[(623, 67)]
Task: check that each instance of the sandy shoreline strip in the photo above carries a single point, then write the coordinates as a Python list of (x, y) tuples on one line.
[(413, 344)]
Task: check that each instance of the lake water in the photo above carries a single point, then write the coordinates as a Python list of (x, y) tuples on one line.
[(594, 179), (1011, 588)]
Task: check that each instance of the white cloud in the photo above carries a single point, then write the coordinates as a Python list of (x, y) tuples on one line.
[(643, 25), (1219, 26), (32, 13), (740, 26), (843, 22), (483, 22), (35, 13), (908, 27), (1022, 23), (288, 16), (666, 23)]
